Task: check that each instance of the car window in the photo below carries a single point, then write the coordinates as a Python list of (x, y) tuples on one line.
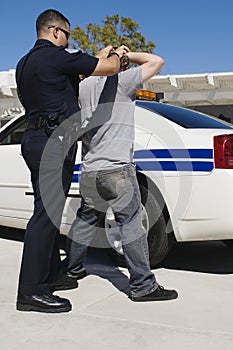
[(185, 117), (13, 134)]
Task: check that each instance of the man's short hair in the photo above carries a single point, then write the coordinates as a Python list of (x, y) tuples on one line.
[(49, 17)]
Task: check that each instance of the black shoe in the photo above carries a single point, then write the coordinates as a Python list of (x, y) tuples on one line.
[(64, 283), (43, 303), (159, 294)]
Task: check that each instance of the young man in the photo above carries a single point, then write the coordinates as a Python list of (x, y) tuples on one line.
[(47, 80), (108, 173)]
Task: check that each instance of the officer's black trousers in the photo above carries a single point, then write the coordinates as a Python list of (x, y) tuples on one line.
[(51, 177)]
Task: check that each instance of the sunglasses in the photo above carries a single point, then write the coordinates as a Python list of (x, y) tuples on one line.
[(67, 34)]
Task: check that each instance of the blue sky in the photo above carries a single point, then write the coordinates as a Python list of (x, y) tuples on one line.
[(192, 36)]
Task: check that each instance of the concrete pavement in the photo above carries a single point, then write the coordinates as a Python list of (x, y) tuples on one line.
[(104, 318)]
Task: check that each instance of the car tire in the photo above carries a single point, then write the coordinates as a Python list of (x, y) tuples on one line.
[(158, 239)]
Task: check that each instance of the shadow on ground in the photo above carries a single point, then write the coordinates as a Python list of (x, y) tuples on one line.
[(99, 262), (207, 257)]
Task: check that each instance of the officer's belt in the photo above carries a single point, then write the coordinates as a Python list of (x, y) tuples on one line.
[(36, 123)]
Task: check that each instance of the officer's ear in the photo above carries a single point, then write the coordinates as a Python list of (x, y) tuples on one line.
[(56, 32)]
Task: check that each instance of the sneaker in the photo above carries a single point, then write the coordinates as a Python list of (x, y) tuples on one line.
[(64, 283), (79, 276), (67, 281), (157, 295)]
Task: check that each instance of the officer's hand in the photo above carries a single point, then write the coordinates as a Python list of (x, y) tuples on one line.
[(104, 52)]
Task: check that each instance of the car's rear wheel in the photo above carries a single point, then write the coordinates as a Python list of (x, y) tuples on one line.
[(154, 221)]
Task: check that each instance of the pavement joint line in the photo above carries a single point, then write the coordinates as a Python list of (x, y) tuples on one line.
[(81, 313), (190, 329)]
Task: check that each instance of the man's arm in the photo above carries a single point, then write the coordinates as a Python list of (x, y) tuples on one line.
[(150, 63), (109, 65)]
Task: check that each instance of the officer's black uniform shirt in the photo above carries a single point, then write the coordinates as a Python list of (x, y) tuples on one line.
[(50, 78)]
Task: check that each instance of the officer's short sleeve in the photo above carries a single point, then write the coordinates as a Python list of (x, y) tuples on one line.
[(75, 61)]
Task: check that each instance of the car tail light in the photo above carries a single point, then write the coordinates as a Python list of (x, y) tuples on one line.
[(223, 151)]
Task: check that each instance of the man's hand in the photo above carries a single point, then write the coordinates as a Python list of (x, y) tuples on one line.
[(109, 65), (104, 53), (122, 50)]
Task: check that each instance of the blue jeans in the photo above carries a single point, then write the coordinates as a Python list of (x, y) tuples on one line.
[(119, 190)]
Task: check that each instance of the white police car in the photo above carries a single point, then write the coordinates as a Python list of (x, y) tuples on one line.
[(184, 163)]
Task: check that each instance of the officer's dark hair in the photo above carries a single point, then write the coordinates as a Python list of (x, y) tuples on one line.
[(49, 17)]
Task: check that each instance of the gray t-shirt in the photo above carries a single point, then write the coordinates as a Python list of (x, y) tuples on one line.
[(108, 142)]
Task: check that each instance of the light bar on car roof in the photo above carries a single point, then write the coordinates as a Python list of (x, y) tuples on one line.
[(147, 95)]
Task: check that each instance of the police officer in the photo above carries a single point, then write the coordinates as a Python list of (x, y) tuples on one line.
[(47, 81)]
